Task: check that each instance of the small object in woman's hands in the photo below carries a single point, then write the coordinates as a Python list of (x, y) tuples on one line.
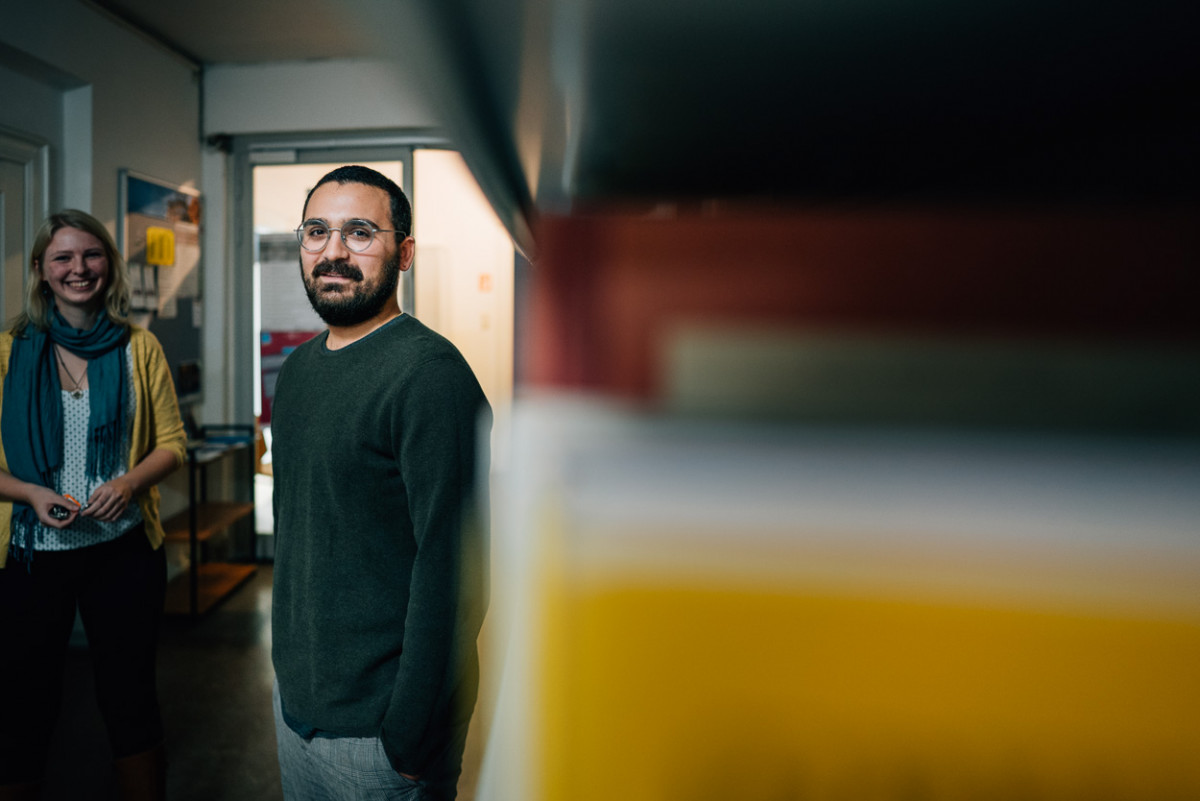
[(60, 512)]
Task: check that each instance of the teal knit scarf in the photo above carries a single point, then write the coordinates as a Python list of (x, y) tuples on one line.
[(31, 420)]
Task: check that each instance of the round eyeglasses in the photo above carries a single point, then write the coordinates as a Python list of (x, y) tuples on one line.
[(357, 235)]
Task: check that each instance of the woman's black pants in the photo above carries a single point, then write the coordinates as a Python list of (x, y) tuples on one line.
[(118, 588)]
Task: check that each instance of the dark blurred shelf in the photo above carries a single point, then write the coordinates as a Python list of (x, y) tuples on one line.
[(205, 584), (215, 581), (211, 518)]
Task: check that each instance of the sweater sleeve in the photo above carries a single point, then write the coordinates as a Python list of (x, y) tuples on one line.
[(156, 421), (442, 431), (163, 428)]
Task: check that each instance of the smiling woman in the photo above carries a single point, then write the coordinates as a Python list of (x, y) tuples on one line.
[(75, 269), (87, 411)]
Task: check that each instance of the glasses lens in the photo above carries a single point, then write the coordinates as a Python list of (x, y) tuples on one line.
[(357, 235), (313, 236)]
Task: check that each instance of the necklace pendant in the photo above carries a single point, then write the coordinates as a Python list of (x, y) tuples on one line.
[(76, 393)]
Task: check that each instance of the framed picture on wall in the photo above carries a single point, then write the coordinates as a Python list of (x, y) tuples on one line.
[(159, 235), (158, 232)]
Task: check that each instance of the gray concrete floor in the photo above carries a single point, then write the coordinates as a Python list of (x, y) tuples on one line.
[(214, 679)]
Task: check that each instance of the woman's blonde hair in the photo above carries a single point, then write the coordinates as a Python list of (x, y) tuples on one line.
[(37, 294)]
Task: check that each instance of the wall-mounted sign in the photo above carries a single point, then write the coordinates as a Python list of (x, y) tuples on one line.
[(160, 246)]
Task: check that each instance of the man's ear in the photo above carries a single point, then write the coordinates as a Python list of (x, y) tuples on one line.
[(408, 250)]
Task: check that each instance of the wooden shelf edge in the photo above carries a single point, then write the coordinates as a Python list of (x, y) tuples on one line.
[(211, 517), (215, 581)]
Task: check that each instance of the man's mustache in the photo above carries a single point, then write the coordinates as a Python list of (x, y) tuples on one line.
[(340, 268)]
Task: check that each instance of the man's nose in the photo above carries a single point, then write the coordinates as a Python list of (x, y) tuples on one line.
[(336, 244)]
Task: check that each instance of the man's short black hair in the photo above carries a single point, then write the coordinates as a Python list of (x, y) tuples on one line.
[(354, 174)]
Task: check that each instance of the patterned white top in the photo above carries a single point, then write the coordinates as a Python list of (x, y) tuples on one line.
[(73, 478)]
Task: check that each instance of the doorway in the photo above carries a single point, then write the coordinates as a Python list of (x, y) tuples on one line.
[(283, 316), (460, 285)]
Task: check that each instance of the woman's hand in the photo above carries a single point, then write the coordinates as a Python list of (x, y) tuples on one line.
[(110, 500), (42, 499)]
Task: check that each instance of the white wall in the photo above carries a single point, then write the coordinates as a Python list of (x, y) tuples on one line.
[(33, 106), (144, 110), (326, 95)]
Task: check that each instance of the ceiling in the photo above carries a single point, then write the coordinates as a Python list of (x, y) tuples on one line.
[(241, 32), (562, 104)]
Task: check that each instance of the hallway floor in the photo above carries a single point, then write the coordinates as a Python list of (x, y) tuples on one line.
[(214, 681)]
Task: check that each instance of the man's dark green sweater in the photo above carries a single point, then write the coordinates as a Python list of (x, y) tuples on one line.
[(381, 556)]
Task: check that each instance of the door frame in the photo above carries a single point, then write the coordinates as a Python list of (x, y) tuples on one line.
[(251, 150), (33, 154)]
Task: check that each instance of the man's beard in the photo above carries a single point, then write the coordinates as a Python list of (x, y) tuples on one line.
[(350, 304)]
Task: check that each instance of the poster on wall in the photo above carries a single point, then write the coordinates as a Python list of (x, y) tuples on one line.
[(158, 232), (160, 239)]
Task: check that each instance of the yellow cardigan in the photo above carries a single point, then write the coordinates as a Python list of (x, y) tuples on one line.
[(156, 424)]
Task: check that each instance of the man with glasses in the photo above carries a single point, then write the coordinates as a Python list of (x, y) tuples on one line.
[(379, 451)]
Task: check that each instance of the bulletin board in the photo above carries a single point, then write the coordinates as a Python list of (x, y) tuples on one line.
[(159, 236)]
